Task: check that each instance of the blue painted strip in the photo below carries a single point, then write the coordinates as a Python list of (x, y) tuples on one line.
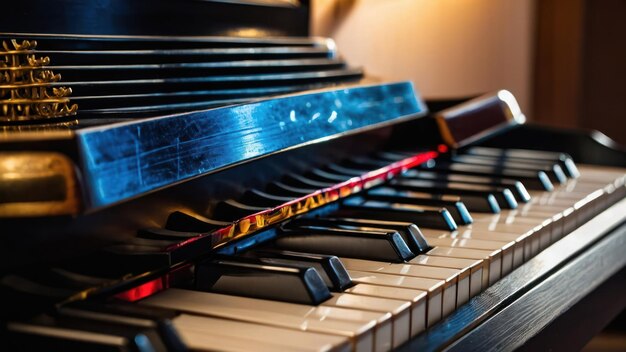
[(125, 160)]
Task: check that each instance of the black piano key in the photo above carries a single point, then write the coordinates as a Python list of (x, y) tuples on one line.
[(345, 170), (517, 187), (327, 176), (474, 203), (453, 204), (182, 221), (37, 337), (125, 314), (301, 181), (176, 253), (252, 277), (66, 279), (282, 190), (71, 333), (142, 335), (374, 245), (157, 233), (394, 155), (421, 215), (566, 161), (131, 314), (120, 260), (139, 258), (410, 232), (531, 179), (232, 210), (503, 196), (329, 267), (263, 199), (364, 162), (553, 170)]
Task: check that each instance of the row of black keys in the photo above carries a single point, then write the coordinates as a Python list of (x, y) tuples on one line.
[(380, 224)]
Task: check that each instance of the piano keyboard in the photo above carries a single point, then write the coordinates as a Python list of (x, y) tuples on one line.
[(369, 275)]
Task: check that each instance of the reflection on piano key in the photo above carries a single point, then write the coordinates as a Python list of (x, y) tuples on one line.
[(418, 214), (434, 287), (409, 232), (367, 331), (203, 333), (375, 245), (257, 278)]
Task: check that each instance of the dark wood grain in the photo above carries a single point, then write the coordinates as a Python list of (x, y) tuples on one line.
[(510, 289), (528, 316)]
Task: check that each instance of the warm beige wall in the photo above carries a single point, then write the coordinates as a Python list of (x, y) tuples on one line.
[(448, 48)]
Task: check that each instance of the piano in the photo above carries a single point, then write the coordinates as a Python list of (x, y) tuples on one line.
[(234, 185)]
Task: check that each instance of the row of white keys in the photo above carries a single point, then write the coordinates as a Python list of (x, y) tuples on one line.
[(417, 298), (202, 333), (434, 289), (365, 330), (528, 230), (456, 289)]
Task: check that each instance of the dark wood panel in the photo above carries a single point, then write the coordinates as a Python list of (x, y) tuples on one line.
[(604, 77), (463, 325), (579, 74), (558, 62), (533, 316)]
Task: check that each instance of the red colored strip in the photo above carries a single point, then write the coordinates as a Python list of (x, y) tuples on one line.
[(144, 290), (337, 191)]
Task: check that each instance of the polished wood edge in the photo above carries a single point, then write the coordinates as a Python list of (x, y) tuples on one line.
[(509, 115), (540, 307), (507, 290)]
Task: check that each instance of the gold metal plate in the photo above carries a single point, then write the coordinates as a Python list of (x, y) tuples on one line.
[(36, 184)]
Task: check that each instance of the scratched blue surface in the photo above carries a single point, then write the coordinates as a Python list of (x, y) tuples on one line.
[(126, 160)]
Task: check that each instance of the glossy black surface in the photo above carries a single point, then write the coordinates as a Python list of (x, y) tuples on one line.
[(453, 204), (421, 215), (565, 161), (552, 169), (329, 267), (66, 334), (122, 161), (374, 245), (473, 196), (517, 187), (585, 146), (532, 180), (184, 222), (409, 232), (156, 17), (256, 278)]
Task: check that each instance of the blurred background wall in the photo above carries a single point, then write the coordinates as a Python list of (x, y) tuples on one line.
[(565, 60)]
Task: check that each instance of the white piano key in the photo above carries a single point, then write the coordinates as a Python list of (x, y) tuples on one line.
[(212, 334), (361, 327), (433, 287), (533, 233), (400, 313), (476, 268), (506, 249), (463, 233), (454, 278), (493, 258), (417, 298)]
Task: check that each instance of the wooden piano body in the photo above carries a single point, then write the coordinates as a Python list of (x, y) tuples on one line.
[(556, 300)]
